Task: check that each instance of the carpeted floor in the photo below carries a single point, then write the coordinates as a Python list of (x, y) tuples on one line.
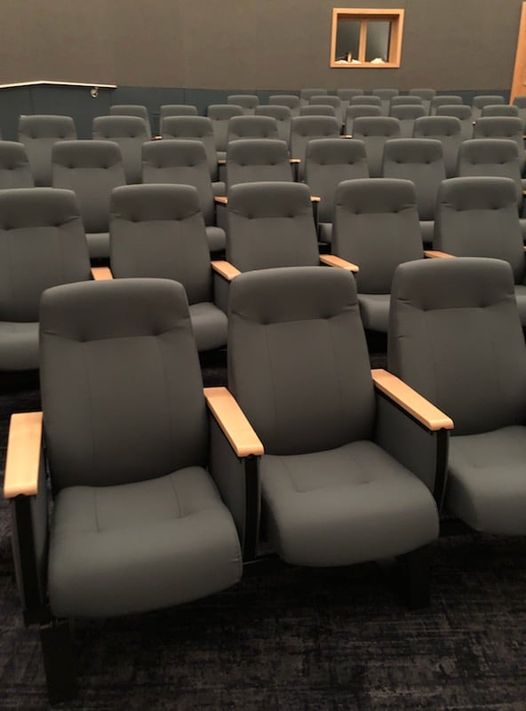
[(293, 639)]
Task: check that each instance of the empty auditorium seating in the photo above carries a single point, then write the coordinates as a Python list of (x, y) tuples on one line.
[(197, 128), (326, 100), (357, 111), (447, 130), (252, 127), (282, 115), (374, 132), (248, 102), (220, 115), (479, 102), (491, 157), (385, 95), (463, 113), (318, 110), (15, 171), (39, 134), (290, 100), (132, 110), (305, 128), (407, 114), (250, 160), (427, 95), (509, 127), (129, 132), (444, 100)]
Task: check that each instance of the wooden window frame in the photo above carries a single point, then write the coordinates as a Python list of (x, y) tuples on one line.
[(363, 15)]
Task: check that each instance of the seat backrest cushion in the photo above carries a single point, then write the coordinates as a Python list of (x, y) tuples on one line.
[(15, 171), (257, 159)]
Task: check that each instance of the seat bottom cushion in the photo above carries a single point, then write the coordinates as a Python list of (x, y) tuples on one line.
[(374, 310), (486, 485), (98, 245), (210, 326), (18, 346), (117, 550), (216, 238), (427, 228), (346, 505), (520, 296)]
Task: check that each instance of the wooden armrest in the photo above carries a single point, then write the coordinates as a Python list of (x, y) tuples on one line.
[(221, 161), (347, 135), (314, 198), (295, 161), (421, 409), (157, 138), (221, 199), (331, 260), (225, 269), (433, 254), (101, 273), (23, 455), (231, 419)]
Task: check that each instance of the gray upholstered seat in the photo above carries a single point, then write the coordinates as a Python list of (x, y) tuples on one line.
[(444, 100), (129, 133), (405, 101), (305, 128), (327, 163), (248, 102), (220, 115), (420, 160), (252, 127), (361, 100), (479, 102), (250, 160), (507, 127), (385, 96), (499, 110), (305, 95), (197, 128), (376, 227), (355, 111), (158, 231), (446, 129), (298, 365), (283, 116), (318, 110), (374, 131), (520, 103), (346, 95), (491, 157), (456, 337), (407, 114), (91, 169), (15, 171), (39, 134), (133, 110), (184, 162), (290, 100), (327, 100), (168, 110), (427, 95), (42, 244), (477, 217), (464, 115)]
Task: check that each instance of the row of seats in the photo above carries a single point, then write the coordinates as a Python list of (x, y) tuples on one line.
[(161, 490)]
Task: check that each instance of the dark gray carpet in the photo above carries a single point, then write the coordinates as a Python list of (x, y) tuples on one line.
[(292, 639)]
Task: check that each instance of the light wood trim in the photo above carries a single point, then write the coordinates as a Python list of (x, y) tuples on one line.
[(331, 260), (346, 135), (315, 198), (519, 72), (396, 39), (225, 269), (221, 161), (435, 254), (23, 455), (411, 401), (362, 46), (395, 16), (233, 422), (156, 138), (294, 161), (221, 199), (101, 273)]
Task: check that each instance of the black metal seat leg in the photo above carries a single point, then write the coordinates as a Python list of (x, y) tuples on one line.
[(59, 663)]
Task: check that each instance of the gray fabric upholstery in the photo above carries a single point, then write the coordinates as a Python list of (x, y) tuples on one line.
[(290, 100), (463, 113), (15, 171), (326, 100), (374, 132), (271, 225), (216, 238), (248, 102), (220, 115), (446, 129), (91, 169), (479, 102), (357, 111), (497, 157), (305, 128), (499, 110), (427, 95), (305, 95), (168, 110), (38, 134), (366, 101), (420, 160), (444, 100), (385, 95), (346, 95), (133, 110), (427, 228), (129, 132), (158, 231), (456, 337), (42, 244), (252, 127), (520, 103), (507, 127), (318, 110), (193, 128), (251, 160), (327, 163), (406, 101), (374, 310), (282, 115), (140, 546), (407, 114)]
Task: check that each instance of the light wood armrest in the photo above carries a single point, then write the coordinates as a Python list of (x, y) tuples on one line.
[(221, 161), (347, 135), (421, 409), (433, 254), (101, 273), (295, 161), (225, 269), (23, 455), (231, 419), (331, 260), (314, 198), (157, 138), (221, 199)]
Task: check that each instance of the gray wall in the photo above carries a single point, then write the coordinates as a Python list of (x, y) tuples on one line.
[(250, 44)]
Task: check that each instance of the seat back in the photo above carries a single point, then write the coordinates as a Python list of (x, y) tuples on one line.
[(248, 102), (357, 111), (220, 115), (327, 163), (346, 95), (91, 169), (361, 100), (305, 95), (271, 225), (326, 100), (129, 132), (297, 359), (499, 110), (197, 128), (121, 385), (252, 127), (133, 110), (183, 162), (305, 128), (407, 115), (463, 113), (15, 171), (455, 336), (520, 103), (42, 244), (290, 100), (376, 226), (479, 102), (491, 157), (250, 160), (374, 131), (444, 100), (477, 217), (168, 110), (420, 160), (159, 231), (447, 130), (509, 127), (318, 110), (38, 134), (282, 115), (406, 101), (385, 96)]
